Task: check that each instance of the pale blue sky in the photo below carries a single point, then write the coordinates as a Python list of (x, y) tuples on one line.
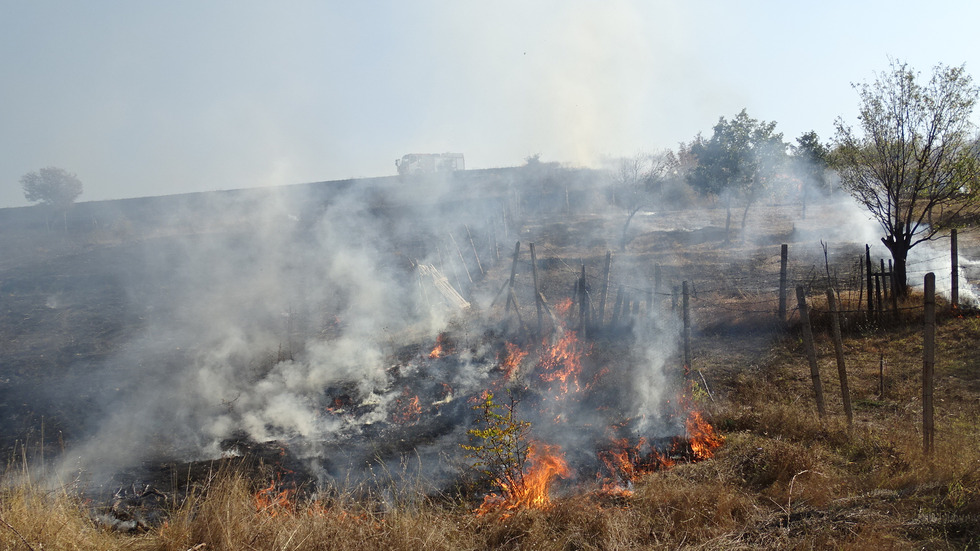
[(141, 98)]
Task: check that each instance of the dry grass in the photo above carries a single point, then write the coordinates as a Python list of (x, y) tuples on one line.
[(785, 479)]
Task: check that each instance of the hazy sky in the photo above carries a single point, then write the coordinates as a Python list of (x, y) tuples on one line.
[(154, 98)]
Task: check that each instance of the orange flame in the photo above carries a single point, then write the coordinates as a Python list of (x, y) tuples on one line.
[(702, 436), (547, 462), (562, 362), (442, 348), (408, 409), (563, 306), (512, 360), (272, 502), (624, 462)]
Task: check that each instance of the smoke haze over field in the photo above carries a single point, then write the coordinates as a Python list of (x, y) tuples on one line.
[(300, 314), (144, 99)]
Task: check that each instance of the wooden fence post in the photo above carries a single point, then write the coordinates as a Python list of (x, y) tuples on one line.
[(656, 286), (839, 352), (884, 285), (811, 351), (537, 290), (513, 274), (617, 308), (871, 300), (583, 304), (879, 305), (783, 257), (475, 253), (461, 259), (954, 258), (452, 266), (605, 288), (687, 330), (860, 281), (893, 283), (928, 364)]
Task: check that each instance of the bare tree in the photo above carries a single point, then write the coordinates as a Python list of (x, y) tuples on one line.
[(912, 165), (638, 180), (53, 187)]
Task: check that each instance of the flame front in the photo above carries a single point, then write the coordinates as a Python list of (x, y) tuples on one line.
[(702, 436), (443, 347), (272, 502), (408, 409), (512, 360), (546, 462), (562, 362)]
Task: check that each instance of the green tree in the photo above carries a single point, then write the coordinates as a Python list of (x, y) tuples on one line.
[(911, 163), (53, 187), (738, 163), (499, 445)]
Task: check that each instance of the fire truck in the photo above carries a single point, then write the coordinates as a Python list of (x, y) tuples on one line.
[(428, 163)]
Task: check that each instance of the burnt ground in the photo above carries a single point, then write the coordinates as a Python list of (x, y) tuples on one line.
[(73, 301)]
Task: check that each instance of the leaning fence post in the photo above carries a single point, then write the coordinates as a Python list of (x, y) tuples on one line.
[(839, 351), (811, 351), (461, 259), (783, 256), (475, 253), (928, 364)]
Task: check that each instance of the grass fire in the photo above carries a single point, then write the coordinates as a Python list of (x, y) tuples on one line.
[(373, 364)]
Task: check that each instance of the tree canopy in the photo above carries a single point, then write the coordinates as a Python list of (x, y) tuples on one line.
[(51, 186), (911, 162), (739, 161), (54, 187)]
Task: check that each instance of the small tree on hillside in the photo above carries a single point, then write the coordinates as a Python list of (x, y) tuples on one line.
[(739, 162), (637, 181), (912, 164), (53, 187)]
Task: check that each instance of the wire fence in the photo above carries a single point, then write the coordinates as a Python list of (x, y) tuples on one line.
[(762, 287)]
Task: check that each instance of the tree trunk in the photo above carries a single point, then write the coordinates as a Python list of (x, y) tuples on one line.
[(745, 216), (626, 227), (900, 253), (728, 217)]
